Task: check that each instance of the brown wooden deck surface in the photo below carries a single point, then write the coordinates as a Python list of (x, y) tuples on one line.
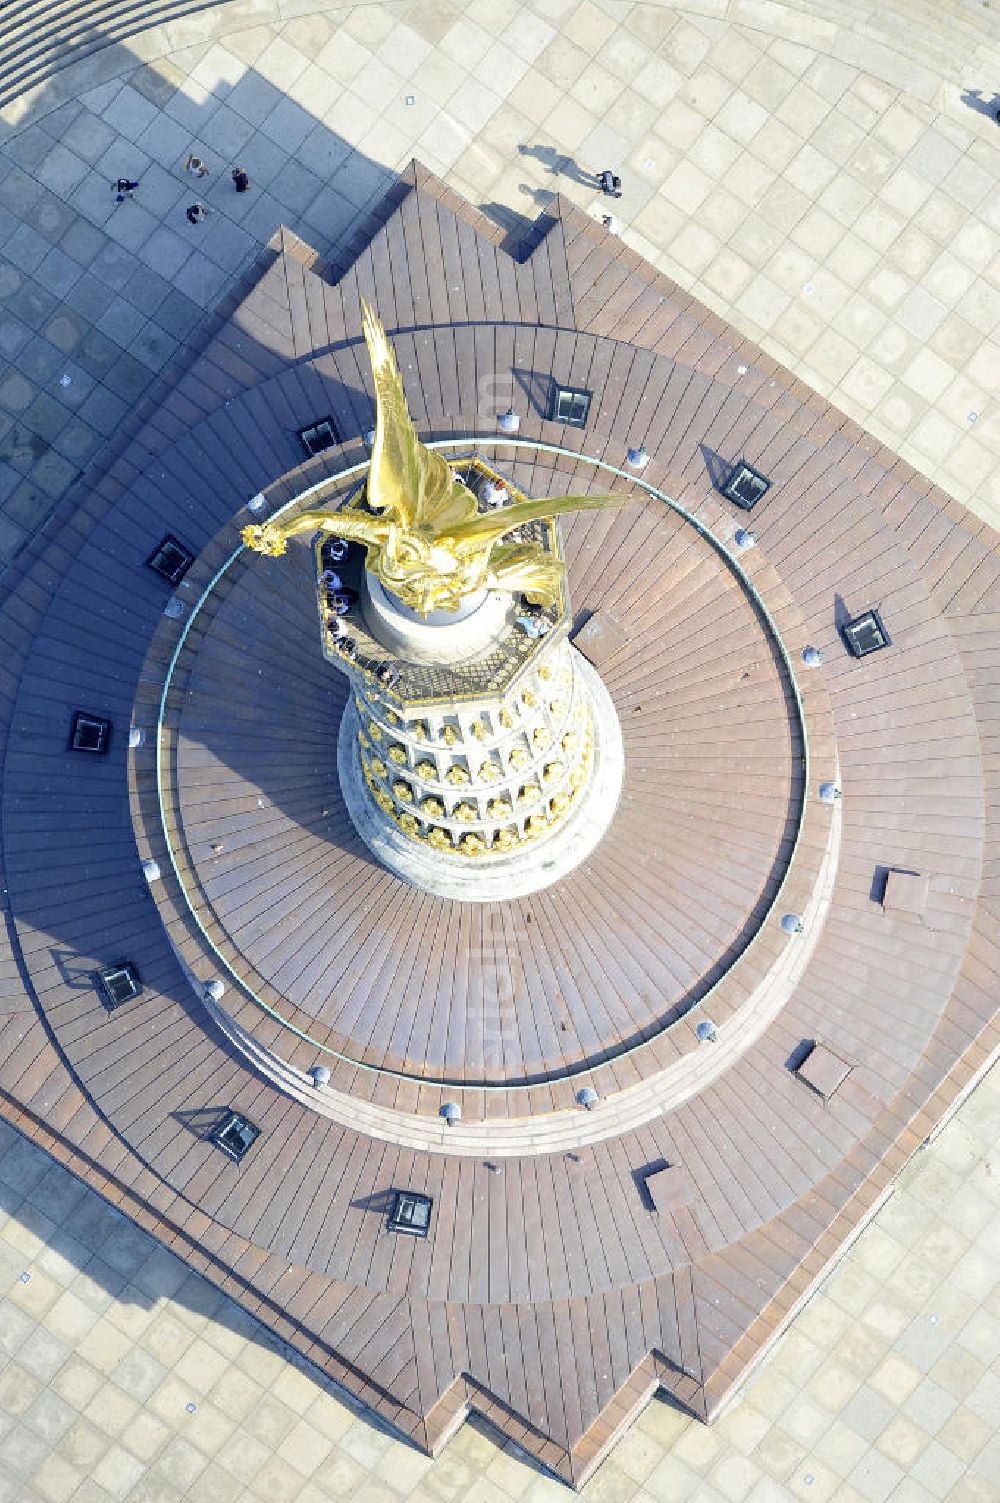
[(696, 850), (542, 1291)]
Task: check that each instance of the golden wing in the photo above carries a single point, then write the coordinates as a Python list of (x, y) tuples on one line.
[(524, 568), (492, 526), (413, 483)]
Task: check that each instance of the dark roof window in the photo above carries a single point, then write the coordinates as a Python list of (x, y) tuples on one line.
[(865, 634), (120, 983), (170, 559), (322, 435), (411, 1213), (571, 405), (89, 733), (745, 486), (234, 1135)]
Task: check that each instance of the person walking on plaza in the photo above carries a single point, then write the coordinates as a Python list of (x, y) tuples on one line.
[(124, 188), (611, 185), (196, 213), (240, 179), (195, 166)]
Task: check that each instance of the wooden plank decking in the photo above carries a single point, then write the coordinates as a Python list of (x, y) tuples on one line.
[(549, 1295)]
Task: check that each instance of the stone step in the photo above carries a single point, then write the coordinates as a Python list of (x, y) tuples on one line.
[(897, 18), (917, 30), (41, 38)]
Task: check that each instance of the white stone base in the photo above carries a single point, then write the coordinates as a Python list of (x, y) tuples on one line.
[(489, 878), (443, 636)]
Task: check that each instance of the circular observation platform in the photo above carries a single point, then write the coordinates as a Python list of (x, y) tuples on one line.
[(329, 957)]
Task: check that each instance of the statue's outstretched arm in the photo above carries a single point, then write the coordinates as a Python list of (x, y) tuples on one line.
[(272, 537)]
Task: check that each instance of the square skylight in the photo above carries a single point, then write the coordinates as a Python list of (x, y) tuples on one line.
[(120, 983), (411, 1213), (865, 634), (235, 1135), (745, 486), (89, 733), (322, 435), (170, 559), (571, 405)]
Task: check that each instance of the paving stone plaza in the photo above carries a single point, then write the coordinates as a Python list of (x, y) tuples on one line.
[(127, 1377), (825, 179), (822, 175)]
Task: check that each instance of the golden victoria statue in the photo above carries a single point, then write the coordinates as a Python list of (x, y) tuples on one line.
[(427, 541)]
